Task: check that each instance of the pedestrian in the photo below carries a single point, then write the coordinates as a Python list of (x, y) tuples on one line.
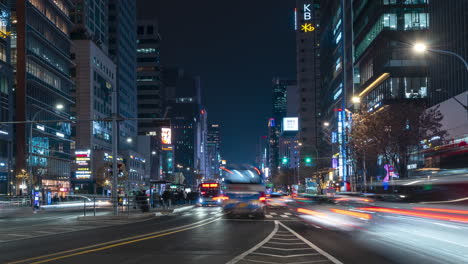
[(166, 196), (185, 197)]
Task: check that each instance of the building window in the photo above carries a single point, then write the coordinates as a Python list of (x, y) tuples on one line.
[(414, 2), (149, 30), (141, 30), (416, 21), (390, 20)]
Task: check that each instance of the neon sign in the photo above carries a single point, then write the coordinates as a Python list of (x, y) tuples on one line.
[(307, 27)]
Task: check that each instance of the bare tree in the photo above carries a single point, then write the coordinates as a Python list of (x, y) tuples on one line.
[(393, 132)]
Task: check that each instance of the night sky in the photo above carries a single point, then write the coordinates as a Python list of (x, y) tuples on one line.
[(236, 47)]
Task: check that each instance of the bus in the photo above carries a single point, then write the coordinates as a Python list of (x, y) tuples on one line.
[(210, 194)]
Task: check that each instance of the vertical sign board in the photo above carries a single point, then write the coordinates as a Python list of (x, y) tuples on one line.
[(83, 164), (307, 25), (166, 136)]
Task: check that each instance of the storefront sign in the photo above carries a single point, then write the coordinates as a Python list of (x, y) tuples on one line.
[(83, 166)]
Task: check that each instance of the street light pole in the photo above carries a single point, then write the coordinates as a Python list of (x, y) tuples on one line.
[(115, 143)]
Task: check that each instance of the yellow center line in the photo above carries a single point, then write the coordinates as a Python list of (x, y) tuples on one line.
[(128, 241)]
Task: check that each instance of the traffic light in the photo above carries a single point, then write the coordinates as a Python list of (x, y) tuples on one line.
[(308, 161), (285, 160)]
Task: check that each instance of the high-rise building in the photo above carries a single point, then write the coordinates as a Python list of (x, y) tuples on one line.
[(336, 28), (307, 23), (150, 95), (184, 104), (448, 76), (280, 111), (90, 21), (41, 49), (6, 103), (213, 150), (122, 49), (95, 78)]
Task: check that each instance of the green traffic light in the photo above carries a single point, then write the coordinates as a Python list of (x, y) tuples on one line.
[(285, 160), (308, 160)]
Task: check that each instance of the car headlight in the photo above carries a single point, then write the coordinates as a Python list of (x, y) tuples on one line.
[(200, 200)]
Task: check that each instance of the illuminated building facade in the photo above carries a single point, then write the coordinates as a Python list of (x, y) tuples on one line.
[(213, 150), (6, 103), (41, 49), (308, 30), (122, 49), (95, 78)]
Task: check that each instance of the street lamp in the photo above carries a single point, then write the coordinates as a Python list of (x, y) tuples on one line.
[(326, 124), (421, 48), (59, 106), (356, 99), (154, 152), (129, 140)]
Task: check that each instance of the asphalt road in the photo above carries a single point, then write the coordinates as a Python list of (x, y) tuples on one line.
[(202, 235)]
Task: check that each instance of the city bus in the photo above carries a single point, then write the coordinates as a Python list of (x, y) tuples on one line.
[(210, 194)]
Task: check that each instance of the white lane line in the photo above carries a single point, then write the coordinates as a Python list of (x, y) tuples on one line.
[(273, 213), (302, 262), (288, 256), (284, 216), (268, 216), (285, 235), (45, 232), (19, 235), (287, 249), (330, 257), (287, 213), (243, 255), (188, 214), (283, 232), (281, 243), (285, 239)]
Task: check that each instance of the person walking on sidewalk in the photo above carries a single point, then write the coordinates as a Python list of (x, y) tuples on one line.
[(166, 198)]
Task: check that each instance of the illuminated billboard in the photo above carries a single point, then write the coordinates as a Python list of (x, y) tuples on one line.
[(166, 135), (290, 124), (83, 166)]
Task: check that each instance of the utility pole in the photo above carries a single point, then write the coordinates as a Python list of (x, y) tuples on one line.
[(115, 144)]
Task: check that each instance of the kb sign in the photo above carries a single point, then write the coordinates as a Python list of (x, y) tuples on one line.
[(307, 12)]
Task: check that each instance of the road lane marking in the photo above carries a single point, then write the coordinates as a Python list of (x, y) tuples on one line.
[(20, 235), (284, 216), (268, 216), (301, 262), (285, 239), (288, 249), (45, 232), (286, 235), (209, 220), (325, 254), (122, 243), (281, 243), (273, 213), (288, 256), (287, 213), (243, 255)]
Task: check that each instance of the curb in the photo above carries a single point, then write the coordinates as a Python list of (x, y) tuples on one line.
[(182, 209), (113, 217)]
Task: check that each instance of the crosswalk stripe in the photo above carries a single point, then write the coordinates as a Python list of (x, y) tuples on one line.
[(284, 216), (268, 216), (273, 213)]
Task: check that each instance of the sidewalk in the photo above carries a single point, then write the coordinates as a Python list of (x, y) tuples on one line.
[(138, 215)]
